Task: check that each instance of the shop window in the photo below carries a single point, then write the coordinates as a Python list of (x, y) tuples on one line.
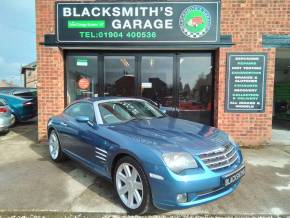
[(119, 75), (157, 80), (195, 88), (182, 83), (82, 77)]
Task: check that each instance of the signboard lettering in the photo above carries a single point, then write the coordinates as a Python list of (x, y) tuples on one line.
[(246, 82), (183, 22)]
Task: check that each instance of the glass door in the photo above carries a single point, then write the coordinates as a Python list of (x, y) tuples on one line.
[(195, 87), (181, 83), (157, 80), (81, 76), (119, 75)]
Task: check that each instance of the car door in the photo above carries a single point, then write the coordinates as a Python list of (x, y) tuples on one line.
[(75, 136), (66, 132), (92, 147), (82, 140)]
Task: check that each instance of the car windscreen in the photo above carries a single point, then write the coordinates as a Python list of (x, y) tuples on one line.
[(123, 111)]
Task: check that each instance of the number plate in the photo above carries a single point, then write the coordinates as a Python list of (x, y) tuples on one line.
[(233, 177)]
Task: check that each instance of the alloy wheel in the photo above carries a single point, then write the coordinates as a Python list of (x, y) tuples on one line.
[(129, 185), (53, 145)]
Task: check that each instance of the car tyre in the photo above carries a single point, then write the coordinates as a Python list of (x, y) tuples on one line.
[(132, 186), (54, 147)]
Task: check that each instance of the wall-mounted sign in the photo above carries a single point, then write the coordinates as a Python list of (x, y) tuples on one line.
[(84, 83), (146, 85), (183, 22), (82, 62), (246, 82)]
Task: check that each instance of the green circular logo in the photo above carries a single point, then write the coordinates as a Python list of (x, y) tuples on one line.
[(195, 21)]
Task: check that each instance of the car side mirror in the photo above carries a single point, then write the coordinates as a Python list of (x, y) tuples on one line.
[(83, 119)]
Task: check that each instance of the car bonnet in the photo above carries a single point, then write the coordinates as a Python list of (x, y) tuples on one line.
[(173, 135)]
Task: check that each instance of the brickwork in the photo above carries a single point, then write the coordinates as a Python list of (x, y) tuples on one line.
[(245, 20)]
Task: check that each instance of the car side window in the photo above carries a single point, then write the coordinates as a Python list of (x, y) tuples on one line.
[(81, 109)]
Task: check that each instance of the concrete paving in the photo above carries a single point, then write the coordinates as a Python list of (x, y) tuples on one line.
[(281, 132), (29, 181), (281, 137)]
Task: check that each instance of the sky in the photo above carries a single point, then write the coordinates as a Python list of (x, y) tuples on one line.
[(17, 38)]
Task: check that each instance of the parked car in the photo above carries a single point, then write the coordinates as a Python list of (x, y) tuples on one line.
[(151, 158), (6, 118), (21, 108), (29, 93)]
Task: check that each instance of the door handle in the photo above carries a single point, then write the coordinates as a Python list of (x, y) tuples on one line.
[(63, 124)]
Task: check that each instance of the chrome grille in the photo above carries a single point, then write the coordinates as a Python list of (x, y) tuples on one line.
[(220, 158)]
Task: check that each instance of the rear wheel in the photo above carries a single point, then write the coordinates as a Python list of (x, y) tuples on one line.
[(55, 151), (132, 186)]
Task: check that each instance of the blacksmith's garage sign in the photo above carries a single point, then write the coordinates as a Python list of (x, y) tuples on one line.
[(180, 22)]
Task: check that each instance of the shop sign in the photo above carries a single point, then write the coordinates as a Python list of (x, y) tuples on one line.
[(84, 83), (181, 22), (82, 62), (246, 82), (146, 85)]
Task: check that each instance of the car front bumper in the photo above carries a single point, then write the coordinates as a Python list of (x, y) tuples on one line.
[(200, 185)]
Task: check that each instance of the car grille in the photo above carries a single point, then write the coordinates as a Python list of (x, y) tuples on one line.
[(219, 159)]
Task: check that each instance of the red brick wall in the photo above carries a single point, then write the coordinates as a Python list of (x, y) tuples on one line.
[(245, 20), (50, 68)]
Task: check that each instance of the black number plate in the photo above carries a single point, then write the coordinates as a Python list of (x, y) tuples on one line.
[(235, 176)]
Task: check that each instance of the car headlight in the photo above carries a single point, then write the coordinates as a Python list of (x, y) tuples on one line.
[(179, 161)]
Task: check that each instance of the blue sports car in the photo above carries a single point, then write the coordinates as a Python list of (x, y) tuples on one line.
[(152, 159)]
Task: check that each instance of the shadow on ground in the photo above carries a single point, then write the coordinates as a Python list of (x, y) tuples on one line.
[(102, 188)]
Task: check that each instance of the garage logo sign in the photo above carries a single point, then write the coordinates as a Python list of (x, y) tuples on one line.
[(138, 22), (195, 21)]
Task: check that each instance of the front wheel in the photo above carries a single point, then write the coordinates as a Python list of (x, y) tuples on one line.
[(132, 186), (55, 151)]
